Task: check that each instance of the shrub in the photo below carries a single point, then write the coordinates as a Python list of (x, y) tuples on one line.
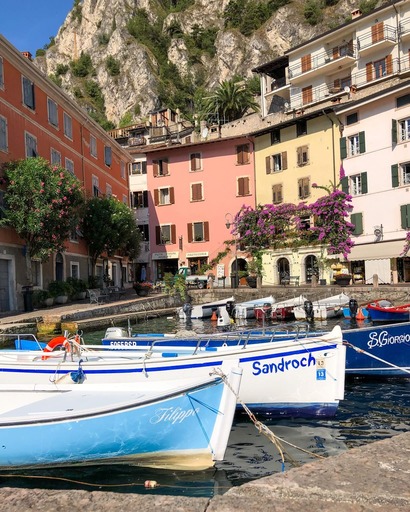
[(83, 66), (313, 12), (57, 288), (112, 66)]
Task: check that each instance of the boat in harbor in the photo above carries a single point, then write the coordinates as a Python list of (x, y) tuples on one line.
[(203, 310), (246, 310), (385, 312), (175, 426), (323, 309), (284, 377), (283, 310)]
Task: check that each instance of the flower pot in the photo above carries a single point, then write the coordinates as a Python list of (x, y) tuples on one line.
[(49, 302), (61, 299), (142, 293), (251, 280), (343, 280)]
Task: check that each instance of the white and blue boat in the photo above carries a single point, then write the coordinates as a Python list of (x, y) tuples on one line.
[(177, 426), (246, 309), (294, 377)]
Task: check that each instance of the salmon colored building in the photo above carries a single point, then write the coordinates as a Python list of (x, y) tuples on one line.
[(195, 189), (38, 119)]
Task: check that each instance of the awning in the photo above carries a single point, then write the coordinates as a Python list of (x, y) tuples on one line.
[(377, 251)]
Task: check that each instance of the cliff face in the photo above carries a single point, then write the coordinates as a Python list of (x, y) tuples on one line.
[(98, 28)]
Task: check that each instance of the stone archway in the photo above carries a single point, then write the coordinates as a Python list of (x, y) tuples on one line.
[(311, 268), (283, 270)]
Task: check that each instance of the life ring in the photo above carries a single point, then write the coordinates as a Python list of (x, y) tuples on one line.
[(58, 341)]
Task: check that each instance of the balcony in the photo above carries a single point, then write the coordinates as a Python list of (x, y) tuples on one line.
[(383, 38), (405, 29), (341, 57), (136, 141)]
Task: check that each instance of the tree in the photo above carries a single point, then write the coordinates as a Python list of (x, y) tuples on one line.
[(42, 203), (109, 227), (231, 100)]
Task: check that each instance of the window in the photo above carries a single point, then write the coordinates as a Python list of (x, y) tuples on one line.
[(197, 192), (377, 32), (125, 199), (122, 165), (93, 146), (242, 154), (243, 186), (165, 234), (275, 136), (107, 156), (357, 220), (75, 270), (307, 95), (160, 167), (303, 188), (277, 196), (400, 174), (69, 165), (3, 134), (55, 157), (379, 68), (404, 130), (306, 63), (352, 118), (144, 228), (402, 101), (301, 128), (352, 145), (138, 168), (198, 232), (358, 184), (28, 93), (68, 126), (108, 190), (302, 155), (52, 112), (96, 188), (1, 74), (140, 199), (31, 145), (164, 196), (276, 163), (195, 162)]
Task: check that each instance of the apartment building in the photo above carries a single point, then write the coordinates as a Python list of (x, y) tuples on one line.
[(38, 119), (195, 190), (341, 88)]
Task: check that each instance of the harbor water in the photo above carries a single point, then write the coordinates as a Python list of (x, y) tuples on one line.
[(372, 410)]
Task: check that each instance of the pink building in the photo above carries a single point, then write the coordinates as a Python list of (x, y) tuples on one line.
[(194, 189)]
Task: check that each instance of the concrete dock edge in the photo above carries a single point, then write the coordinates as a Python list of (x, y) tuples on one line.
[(369, 478)]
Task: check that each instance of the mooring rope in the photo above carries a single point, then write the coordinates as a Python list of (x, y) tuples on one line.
[(263, 429), (361, 351)]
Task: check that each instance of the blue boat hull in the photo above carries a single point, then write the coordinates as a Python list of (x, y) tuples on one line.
[(159, 432), (390, 343), (384, 315)]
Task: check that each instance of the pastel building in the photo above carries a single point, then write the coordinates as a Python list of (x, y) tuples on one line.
[(195, 190), (38, 119), (343, 85)]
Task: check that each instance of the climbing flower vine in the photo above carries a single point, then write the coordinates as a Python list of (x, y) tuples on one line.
[(287, 225)]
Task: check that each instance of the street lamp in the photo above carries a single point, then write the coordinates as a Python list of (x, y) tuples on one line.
[(228, 223)]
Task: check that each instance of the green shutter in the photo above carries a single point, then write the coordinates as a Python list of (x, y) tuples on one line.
[(394, 131), (343, 148), (357, 220), (345, 184), (362, 142), (405, 216), (364, 182), (394, 175)]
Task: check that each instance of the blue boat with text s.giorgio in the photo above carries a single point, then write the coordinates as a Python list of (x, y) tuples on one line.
[(176, 426)]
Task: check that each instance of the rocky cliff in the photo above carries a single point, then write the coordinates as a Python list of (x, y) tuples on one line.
[(126, 72)]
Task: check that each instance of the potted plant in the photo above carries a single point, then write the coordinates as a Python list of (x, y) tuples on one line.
[(254, 271), (143, 288), (243, 274), (79, 288), (60, 290)]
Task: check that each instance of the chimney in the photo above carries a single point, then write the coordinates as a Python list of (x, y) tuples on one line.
[(356, 14), (27, 55)]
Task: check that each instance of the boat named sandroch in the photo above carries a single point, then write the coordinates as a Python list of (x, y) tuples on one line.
[(173, 415), (381, 339), (283, 365)]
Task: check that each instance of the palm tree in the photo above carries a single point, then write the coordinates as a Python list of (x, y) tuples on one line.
[(231, 100)]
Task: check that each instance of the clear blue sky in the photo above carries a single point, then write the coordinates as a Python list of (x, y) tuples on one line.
[(29, 24)]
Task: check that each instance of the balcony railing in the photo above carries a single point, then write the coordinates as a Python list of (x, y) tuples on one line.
[(387, 34), (405, 28), (333, 57)]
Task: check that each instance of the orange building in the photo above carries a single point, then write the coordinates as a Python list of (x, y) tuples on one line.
[(38, 119)]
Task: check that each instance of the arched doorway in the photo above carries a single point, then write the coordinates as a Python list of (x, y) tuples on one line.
[(59, 267), (283, 270), (311, 268)]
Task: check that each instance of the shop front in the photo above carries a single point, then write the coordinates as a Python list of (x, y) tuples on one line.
[(163, 263)]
